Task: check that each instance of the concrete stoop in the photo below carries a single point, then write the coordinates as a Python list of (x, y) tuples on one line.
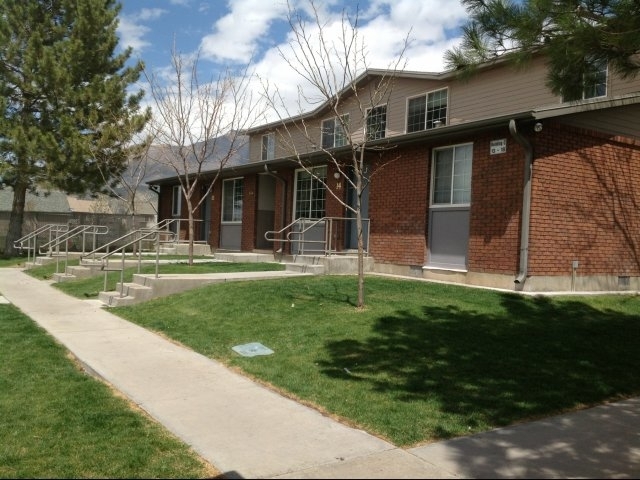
[(183, 249), (315, 264), (146, 287)]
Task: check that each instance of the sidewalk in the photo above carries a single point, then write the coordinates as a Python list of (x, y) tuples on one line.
[(248, 431)]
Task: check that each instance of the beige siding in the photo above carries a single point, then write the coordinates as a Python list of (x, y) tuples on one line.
[(499, 91), (617, 86), (493, 92)]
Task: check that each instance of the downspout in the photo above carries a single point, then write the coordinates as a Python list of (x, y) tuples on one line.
[(283, 195), (526, 204)]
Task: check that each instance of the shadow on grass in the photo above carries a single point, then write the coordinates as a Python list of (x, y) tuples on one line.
[(535, 358)]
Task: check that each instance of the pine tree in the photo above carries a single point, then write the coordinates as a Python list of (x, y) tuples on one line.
[(577, 36), (64, 98)]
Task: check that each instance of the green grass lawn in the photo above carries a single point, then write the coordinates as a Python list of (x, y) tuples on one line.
[(58, 422), (423, 361)]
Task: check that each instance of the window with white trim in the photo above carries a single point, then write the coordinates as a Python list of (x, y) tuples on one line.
[(376, 122), (333, 131), (591, 84), (427, 111), (452, 175), (268, 146), (232, 192), (176, 201), (310, 193)]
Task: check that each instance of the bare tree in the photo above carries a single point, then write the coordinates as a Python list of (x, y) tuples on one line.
[(334, 73), (199, 125), (125, 185)]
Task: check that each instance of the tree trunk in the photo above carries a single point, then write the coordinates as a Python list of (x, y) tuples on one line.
[(16, 219), (191, 232), (360, 238)]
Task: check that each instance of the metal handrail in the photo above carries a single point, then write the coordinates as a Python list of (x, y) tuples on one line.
[(161, 227), (74, 232), (68, 235), (328, 238), (51, 229), (141, 234)]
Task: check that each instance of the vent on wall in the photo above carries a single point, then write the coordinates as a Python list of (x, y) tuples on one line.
[(624, 282)]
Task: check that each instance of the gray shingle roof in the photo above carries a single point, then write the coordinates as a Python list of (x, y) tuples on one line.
[(54, 202)]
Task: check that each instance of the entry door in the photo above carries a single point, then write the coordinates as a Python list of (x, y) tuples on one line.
[(309, 208), (265, 217), (450, 206), (351, 240)]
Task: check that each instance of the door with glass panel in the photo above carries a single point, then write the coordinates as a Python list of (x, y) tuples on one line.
[(308, 235), (231, 224), (448, 236)]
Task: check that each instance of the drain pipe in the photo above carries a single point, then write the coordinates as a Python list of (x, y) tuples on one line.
[(526, 204)]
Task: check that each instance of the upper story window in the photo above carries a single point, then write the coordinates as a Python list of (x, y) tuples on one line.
[(452, 175), (376, 122), (333, 131), (176, 201), (427, 111), (268, 146), (232, 193), (591, 84)]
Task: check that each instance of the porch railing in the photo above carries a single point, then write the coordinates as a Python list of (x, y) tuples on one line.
[(29, 242), (299, 230)]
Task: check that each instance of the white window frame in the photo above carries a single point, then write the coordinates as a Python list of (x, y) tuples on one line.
[(603, 70), (378, 134), (452, 189), (425, 123), (225, 182), (319, 186), (176, 201), (268, 151), (338, 131)]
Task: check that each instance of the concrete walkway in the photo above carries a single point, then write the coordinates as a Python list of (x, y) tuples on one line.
[(248, 431)]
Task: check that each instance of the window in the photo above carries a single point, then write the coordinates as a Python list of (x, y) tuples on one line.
[(333, 132), (268, 146), (452, 175), (377, 122), (427, 111), (176, 201), (232, 200), (591, 83), (310, 193)]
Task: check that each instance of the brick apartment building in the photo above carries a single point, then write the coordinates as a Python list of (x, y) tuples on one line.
[(491, 181)]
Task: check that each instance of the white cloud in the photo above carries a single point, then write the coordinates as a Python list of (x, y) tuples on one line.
[(132, 34), (150, 13), (236, 35), (383, 27)]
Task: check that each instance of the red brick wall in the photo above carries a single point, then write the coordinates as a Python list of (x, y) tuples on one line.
[(586, 203), (398, 199), (496, 202)]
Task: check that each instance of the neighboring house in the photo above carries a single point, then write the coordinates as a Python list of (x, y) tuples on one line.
[(491, 181)]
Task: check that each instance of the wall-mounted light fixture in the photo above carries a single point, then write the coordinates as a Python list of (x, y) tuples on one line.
[(537, 127)]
